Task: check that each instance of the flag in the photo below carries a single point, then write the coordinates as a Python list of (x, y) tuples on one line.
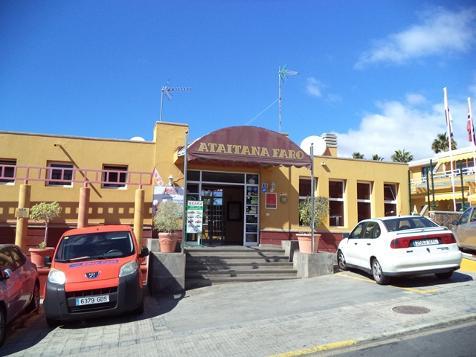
[(470, 129), (156, 179)]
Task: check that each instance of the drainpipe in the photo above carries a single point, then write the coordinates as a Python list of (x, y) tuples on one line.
[(428, 190), (432, 184)]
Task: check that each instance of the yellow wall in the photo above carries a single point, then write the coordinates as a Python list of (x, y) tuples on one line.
[(351, 171), (107, 204), (117, 205)]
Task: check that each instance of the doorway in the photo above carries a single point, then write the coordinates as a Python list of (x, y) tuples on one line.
[(230, 207), (223, 215)]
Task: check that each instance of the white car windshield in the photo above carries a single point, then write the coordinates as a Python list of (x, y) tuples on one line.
[(101, 245), (400, 224)]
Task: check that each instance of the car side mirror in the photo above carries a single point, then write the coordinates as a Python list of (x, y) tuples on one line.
[(144, 252), (47, 261), (346, 235), (455, 223), (5, 274)]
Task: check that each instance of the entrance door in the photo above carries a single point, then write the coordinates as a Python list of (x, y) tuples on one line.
[(212, 197)]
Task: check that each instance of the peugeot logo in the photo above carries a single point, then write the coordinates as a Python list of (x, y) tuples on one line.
[(92, 275)]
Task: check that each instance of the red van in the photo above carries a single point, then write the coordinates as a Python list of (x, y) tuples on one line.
[(95, 272)]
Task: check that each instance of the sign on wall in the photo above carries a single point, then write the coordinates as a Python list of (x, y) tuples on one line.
[(271, 200), (194, 216)]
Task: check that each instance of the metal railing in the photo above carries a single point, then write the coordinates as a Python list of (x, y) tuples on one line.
[(441, 176), (67, 176)]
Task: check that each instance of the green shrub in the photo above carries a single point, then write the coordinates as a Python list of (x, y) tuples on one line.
[(321, 210), (168, 218)]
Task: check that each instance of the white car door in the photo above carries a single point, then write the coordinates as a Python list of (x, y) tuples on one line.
[(353, 245), (366, 245)]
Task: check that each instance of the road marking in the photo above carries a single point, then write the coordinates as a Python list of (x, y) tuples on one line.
[(318, 348), (419, 291), (468, 265), (355, 277), (413, 290)]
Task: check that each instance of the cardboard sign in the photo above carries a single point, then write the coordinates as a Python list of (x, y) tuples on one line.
[(22, 213)]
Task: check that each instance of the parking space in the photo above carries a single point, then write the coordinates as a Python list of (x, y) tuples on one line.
[(256, 318)]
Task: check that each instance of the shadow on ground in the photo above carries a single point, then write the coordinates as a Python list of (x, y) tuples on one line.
[(29, 330), (419, 280)]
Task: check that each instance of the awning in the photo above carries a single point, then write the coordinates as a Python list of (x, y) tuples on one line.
[(448, 196), (247, 145)]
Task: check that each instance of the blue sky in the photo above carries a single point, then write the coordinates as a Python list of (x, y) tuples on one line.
[(370, 71)]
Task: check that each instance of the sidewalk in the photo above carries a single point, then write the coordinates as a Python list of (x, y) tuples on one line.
[(261, 319)]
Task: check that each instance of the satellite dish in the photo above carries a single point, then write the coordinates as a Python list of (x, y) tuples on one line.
[(319, 145), (137, 138)]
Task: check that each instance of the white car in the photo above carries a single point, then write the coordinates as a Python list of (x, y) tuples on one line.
[(396, 246)]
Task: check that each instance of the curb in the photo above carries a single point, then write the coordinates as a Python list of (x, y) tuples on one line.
[(345, 345)]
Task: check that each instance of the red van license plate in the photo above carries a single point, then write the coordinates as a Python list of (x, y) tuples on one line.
[(89, 300)]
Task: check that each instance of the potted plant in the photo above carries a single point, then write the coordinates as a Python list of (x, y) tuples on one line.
[(321, 210), (43, 212), (168, 222)]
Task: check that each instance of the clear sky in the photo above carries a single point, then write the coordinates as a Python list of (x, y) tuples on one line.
[(370, 71)]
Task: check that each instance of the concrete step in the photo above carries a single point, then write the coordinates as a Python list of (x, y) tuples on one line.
[(234, 249), (240, 271), (213, 280), (265, 257), (197, 264), (227, 260)]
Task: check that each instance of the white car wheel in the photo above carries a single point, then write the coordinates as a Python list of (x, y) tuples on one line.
[(341, 261), (377, 273)]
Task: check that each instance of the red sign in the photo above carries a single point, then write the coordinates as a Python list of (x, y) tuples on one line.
[(271, 200)]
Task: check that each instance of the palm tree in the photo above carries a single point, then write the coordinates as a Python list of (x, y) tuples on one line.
[(402, 156), (376, 157), (441, 143), (357, 155)]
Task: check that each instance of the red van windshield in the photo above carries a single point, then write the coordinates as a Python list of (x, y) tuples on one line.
[(100, 245)]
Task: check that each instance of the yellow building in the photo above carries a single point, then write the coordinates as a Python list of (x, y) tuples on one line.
[(444, 181), (250, 179)]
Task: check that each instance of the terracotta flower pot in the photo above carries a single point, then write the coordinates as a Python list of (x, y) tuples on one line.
[(168, 241), (37, 255), (304, 240)]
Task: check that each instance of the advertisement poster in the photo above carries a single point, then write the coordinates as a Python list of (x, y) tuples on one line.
[(166, 193), (194, 216)]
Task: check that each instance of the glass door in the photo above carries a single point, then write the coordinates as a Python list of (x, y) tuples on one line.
[(251, 222), (212, 198)]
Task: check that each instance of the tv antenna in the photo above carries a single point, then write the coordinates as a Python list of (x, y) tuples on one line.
[(167, 91), (283, 73)]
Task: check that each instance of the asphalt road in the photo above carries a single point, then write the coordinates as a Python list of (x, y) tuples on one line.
[(451, 341)]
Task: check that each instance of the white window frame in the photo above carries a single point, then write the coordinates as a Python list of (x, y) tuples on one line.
[(303, 198), (360, 200), (118, 172), (8, 162), (395, 195), (49, 173), (338, 200)]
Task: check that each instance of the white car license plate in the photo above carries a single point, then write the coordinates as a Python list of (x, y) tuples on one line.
[(423, 242), (89, 300)]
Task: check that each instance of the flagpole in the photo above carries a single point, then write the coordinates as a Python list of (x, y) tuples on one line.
[(450, 137), (470, 119), (279, 101)]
